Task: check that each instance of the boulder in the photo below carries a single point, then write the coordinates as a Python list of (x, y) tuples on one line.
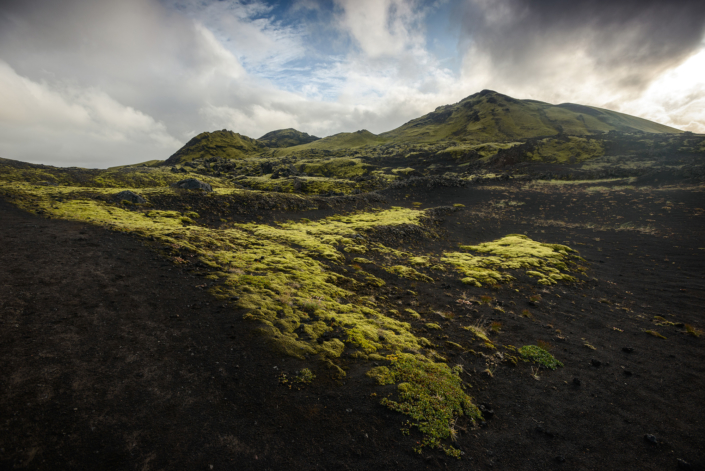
[(193, 184), (130, 196)]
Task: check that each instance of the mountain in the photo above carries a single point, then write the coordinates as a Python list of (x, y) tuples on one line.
[(482, 118), (226, 144), (286, 138), (489, 116)]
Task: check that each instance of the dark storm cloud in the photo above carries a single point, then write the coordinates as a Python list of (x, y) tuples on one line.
[(632, 41)]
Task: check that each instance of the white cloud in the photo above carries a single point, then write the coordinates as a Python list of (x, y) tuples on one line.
[(676, 98), (67, 126), (380, 27)]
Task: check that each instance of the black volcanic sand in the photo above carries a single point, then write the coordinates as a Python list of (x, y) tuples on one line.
[(113, 358)]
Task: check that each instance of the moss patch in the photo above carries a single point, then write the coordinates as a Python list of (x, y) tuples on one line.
[(432, 395), (516, 251), (540, 356)]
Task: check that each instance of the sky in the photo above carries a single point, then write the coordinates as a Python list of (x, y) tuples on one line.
[(97, 83)]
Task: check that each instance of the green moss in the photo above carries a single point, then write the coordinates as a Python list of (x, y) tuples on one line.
[(265, 266), (336, 168), (381, 374), (432, 395), (412, 313), (304, 376), (374, 281), (478, 332), (653, 333), (409, 273), (540, 356), (433, 326), (420, 261), (511, 252), (574, 149)]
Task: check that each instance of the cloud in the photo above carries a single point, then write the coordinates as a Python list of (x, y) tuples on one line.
[(676, 98), (68, 126), (590, 50), (380, 27)]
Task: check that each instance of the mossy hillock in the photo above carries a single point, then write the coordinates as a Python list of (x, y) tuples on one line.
[(225, 144), (286, 138)]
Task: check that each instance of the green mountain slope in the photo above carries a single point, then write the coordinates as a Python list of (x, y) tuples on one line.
[(341, 140), (492, 117), (226, 144), (286, 138)]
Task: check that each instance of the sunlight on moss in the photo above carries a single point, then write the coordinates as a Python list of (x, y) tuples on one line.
[(511, 252)]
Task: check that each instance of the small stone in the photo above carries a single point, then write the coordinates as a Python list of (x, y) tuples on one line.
[(576, 382), (193, 184), (682, 464), (560, 458), (627, 349), (130, 196), (651, 439), (595, 363), (627, 373)]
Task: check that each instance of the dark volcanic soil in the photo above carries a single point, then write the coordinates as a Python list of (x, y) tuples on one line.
[(114, 359)]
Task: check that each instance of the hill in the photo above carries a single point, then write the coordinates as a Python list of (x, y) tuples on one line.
[(489, 116), (342, 140), (225, 144), (286, 138)]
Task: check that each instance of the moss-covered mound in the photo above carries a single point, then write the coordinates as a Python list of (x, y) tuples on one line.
[(513, 252), (224, 144), (286, 138)]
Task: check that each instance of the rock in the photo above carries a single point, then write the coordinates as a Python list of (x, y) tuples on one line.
[(627, 372), (627, 349), (130, 196), (651, 439), (560, 458), (193, 184), (487, 411), (595, 363), (682, 464), (576, 382)]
